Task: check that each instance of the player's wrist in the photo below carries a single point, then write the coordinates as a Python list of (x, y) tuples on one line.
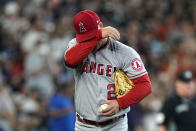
[(117, 106), (119, 103)]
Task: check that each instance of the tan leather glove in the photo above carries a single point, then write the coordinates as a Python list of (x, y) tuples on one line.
[(122, 83)]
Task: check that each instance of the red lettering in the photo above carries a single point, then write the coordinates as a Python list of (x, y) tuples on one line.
[(93, 67), (98, 69), (85, 68), (108, 70), (111, 92)]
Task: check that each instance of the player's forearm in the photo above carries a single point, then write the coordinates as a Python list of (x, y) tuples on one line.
[(78, 53), (142, 89)]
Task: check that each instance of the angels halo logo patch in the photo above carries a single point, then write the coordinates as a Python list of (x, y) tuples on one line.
[(136, 64)]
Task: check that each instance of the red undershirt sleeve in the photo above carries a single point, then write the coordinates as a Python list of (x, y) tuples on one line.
[(80, 51), (141, 89)]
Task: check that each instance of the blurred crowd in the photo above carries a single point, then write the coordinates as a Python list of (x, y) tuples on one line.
[(33, 37)]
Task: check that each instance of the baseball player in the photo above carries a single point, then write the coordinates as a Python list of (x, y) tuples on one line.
[(94, 55)]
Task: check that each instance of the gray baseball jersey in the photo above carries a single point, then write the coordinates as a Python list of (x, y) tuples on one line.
[(93, 77)]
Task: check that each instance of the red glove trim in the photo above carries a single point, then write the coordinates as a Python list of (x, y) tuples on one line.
[(142, 89)]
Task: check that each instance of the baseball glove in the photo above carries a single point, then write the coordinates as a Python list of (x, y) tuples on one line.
[(122, 83)]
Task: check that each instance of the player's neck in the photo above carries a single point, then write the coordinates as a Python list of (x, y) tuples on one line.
[(101, 44)]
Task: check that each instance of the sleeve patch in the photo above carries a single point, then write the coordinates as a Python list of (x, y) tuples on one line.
[(136, 64)]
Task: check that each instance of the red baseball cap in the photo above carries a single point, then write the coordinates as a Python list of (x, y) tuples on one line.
[(86, 25)]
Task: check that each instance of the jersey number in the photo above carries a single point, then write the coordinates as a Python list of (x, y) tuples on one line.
[(111, 92)]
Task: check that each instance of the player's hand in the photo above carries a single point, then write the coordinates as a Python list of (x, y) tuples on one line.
[(110, 32), (113, 108)]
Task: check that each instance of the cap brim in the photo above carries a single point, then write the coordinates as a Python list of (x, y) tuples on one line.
[(93, 41), (186, 76), (86, 36), (186, 80)]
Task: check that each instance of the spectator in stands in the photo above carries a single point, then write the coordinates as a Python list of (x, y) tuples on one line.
[(61, 108), (38, 74), (180, 106), (7, 109)]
